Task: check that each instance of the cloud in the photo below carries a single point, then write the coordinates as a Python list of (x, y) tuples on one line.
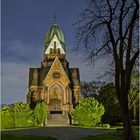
[(18, 51), (17, 58), (14, 82)]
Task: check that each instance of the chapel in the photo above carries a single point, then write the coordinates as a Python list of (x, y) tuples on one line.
[(54, 82)]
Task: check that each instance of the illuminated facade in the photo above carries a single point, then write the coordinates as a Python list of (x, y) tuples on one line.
[(54, 82)]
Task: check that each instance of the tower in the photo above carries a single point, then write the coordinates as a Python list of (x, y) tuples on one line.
[(55, 82)]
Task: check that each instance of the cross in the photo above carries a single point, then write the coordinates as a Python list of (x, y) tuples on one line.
[(54, 46)]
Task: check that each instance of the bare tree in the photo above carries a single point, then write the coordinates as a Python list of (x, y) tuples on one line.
[(111, 27)]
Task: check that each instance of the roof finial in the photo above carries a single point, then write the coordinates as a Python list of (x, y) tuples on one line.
[(54, 19)]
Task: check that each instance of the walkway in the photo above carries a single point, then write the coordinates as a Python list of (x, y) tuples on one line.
[(62, 133)]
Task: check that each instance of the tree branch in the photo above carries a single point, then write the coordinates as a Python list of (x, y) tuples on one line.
[(131, 28)]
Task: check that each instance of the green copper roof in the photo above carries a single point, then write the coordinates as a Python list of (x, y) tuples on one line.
[(55, 30)]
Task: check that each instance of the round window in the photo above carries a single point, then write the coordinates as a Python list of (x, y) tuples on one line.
[(56, 74)]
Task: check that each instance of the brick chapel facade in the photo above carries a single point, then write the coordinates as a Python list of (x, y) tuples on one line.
[(55, 82)]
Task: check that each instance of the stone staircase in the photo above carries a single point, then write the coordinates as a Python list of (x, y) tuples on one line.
[(58, 119)]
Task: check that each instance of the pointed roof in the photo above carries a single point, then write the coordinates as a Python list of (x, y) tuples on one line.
[(61, 67), (55, 30)]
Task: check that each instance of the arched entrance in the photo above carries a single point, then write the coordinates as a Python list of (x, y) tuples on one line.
[(56, 99), (55, 106)]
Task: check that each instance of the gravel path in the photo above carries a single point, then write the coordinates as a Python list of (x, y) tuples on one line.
[(62, 133)]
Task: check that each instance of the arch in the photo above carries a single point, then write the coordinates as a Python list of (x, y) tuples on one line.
[(56, 91), (56, 97)]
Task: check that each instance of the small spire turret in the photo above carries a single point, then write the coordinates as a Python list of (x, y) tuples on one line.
[(54, 19)]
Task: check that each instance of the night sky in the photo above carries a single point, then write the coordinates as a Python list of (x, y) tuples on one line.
[(24, 26)]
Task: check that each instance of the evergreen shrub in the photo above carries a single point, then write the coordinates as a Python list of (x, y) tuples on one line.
[(40, 113), (88, 112)]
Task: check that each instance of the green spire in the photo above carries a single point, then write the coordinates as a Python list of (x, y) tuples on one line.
[(55, 30)]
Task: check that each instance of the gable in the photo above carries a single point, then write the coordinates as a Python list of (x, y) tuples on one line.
[(56, 74), (58, 45)]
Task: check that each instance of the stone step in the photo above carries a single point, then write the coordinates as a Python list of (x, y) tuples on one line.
[(58, 119)]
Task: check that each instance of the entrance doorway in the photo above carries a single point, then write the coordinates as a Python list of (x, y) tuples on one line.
[(55, 106)]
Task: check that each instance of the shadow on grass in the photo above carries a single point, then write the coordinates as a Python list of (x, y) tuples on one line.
[(24, 137)]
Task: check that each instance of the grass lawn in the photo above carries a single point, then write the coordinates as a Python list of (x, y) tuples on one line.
[(19, 128), (23, 137), (104, 137), (113, 137)]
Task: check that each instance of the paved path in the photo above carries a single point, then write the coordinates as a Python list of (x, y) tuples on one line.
[(62, 133)]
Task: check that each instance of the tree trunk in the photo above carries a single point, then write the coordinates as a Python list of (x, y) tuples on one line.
[(127, 123), (134, 109)]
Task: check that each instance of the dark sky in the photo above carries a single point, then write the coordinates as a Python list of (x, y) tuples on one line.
[(29, 20), (24, 26)]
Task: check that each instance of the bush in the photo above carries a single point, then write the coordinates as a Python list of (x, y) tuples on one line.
[(104, 125), (24, 116), (40, 113), (19, 115), (88, 112), (7, 117)]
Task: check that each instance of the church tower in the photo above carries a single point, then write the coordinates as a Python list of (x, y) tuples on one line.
[(55, 82)]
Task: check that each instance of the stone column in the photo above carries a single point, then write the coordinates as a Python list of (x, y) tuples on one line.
[(65, 93), (48, 95), (45, 93), (28, 96), (77, 94)]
